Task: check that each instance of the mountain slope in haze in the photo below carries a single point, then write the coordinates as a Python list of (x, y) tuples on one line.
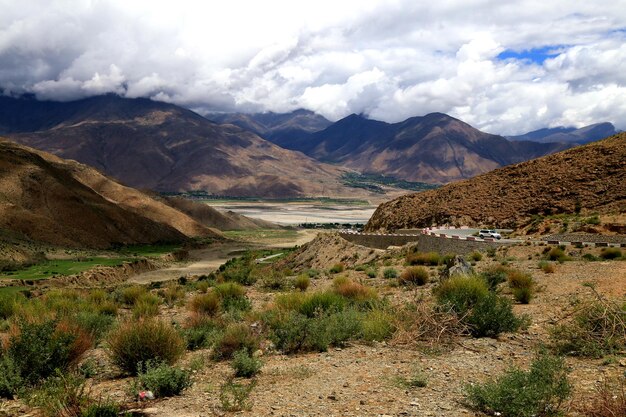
[(590, 177), (435, 148), (583, 135), (163, 147), (49, 200), (276, 127)]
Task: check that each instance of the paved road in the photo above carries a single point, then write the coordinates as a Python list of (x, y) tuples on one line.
[(464, 233)]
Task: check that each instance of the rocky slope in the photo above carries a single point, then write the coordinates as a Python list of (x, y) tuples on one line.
[(589, 177), (435, 148), (49, 200), (163, 147)]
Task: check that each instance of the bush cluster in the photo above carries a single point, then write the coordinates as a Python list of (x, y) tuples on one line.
[(414, 275), (522, 285), (162, 379), (421, 258), (539, 391)]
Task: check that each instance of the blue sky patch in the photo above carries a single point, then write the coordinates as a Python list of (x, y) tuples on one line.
[(535, 55)]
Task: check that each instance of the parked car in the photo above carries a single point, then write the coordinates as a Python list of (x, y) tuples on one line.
[(489, 233)]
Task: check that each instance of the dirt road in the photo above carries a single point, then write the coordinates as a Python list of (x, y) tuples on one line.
[(206, 260)]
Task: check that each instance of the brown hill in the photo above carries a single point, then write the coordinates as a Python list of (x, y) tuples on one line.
[(46, 199), (590, 177), (160, 146)]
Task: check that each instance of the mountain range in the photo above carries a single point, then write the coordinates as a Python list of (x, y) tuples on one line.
[(163, 147), (569, 134), (588, 179)]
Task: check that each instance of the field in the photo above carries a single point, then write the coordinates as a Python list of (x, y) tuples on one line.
[(337, 329)]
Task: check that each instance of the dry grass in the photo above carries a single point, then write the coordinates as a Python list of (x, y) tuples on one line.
[(609, 400)]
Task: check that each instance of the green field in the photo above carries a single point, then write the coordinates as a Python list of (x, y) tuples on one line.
[(61, 267), (206, 198), (148, 250)]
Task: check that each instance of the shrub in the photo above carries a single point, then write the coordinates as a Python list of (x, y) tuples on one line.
[(545, 387), (37, 350), (490, 316), (322, 302), (96, 324), (60, 395), (129, 295), (8, 304), (340, 327), (596, 328), (610, 253), (302, 282), (494, 275), (420, 258), (202, 334), (337, 268), (371, 272), (233, 297), (557, 254), (146, 305), (235, 396), (139, 341), (356, 292), (414, 276), (162, 379), (245, 365), (390, 273), (10, 377), (522, 285), (590, 257), (476, 256), (206, 304), (236, 337), (173, 293), (547, 267), (377, 325), (461, 293), (485, 313)]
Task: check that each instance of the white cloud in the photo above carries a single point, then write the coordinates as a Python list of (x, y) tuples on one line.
[(389, 59)]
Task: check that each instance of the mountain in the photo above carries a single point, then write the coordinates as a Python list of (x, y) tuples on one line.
[(583, 135), (49, 200), (589, 178), (275, 126), (163, 147), (435, 148)]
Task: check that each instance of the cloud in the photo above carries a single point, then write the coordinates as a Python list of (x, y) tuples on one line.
[(388, 59)]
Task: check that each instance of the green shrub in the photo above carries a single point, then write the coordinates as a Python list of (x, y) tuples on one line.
[(203, 334), (8, 304), (547, 267), (590, 257), (337, 268), (236, 336), (420, 258), (245, 365), (97, 324), (322, 302), (494, 275), (239, 270), (390, 273), (206, 304), (233, 297), (490, 316), (162, 379), (610, 253), (538, 392), (302, 282), (371, 273), (557, 254), (140, 341), (485, 313), (10, 377), (62, 394), (38, 350), (461, 293), (476, 256), (340, 327), (102, 409), (129, 295), (173, 294), (415, 275), (312, 273), (275, 281), (596, 329), (146, 305), (377, 325), (235, 396), (522, 285)]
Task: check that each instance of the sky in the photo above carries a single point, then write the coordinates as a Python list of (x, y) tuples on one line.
[(505, 67)]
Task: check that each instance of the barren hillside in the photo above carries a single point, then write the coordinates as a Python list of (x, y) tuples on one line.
[(590, 178)]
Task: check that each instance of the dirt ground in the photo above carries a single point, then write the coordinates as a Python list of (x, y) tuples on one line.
[(363, 380)]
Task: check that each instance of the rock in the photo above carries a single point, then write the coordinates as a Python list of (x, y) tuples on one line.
[(459, 266), (622, 362)]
